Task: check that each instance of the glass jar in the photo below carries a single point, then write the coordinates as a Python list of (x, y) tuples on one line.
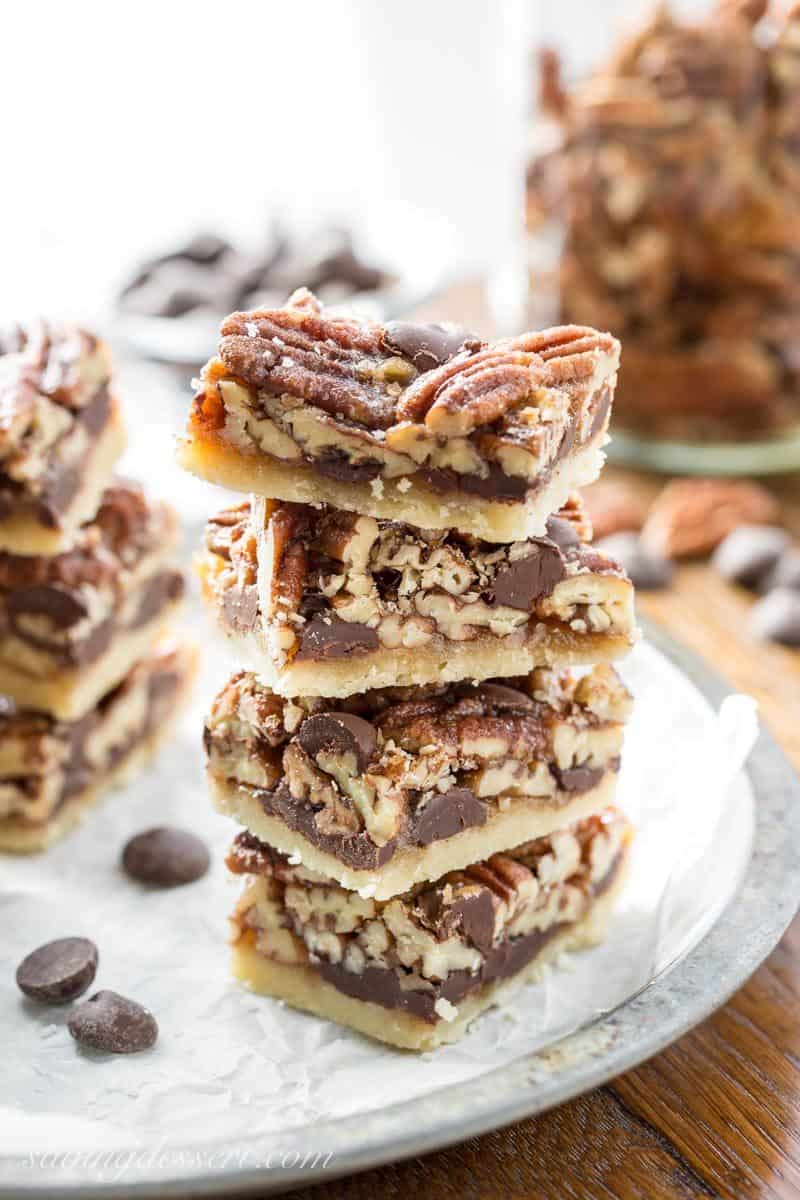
[(663, 203)]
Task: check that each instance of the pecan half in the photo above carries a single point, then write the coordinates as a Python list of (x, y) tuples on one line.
[(473, 390), (692, 516), (302, 352)]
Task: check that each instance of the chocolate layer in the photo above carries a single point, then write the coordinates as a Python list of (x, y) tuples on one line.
[(381, 986)]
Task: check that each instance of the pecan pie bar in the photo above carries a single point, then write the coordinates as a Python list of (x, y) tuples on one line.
[(72, 625), (60, 435), (52, 771), (416, 970), (325, 602), (424, 424), (400, 785)]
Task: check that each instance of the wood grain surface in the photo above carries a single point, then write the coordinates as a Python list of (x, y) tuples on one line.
[(718, 1113)]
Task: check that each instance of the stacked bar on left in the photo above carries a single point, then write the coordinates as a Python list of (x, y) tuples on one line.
[(87, 586)]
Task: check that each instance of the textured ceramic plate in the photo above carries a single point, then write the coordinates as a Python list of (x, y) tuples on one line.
[(705, 968)]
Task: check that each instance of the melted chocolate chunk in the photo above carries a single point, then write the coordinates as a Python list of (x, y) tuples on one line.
[(520, 584), (354, 850), (339, 733), (427, 346), (470, 916), (164, 588), (495, 485), (336, 465), (326, 637), (577, 779), (62, 607), (445, 814)]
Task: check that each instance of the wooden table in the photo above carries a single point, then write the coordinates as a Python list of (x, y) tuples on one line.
[(718, 1113)]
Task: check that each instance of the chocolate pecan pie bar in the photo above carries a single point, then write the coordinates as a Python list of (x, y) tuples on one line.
[(60, 434), (325, 602), (52, 771), (415, 970), (400, 785), (423, 424), (72, 625)]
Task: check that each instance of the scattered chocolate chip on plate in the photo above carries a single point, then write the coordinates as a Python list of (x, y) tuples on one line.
[(784, 574), (110, 1022), (645, 569), (166, 857), (749, 552), (776, 617), (58, 971)]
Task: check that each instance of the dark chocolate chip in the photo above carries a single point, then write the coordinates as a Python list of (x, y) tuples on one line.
[(427, 346), (777, 617), (110, 1022), (58, 971), (784, 574), (749, 552), (326, 637), (520, 584), (562, 532), (447, 813), (338, 733), (502, 696), (646, 570), (165, 857)]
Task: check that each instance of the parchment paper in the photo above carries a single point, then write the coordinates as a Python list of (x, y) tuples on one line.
[(230, 1064)]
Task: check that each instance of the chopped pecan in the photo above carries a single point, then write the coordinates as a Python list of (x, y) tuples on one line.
[(692, 516), (285, 559)]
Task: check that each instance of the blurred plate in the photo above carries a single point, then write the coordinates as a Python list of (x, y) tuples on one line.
[(773, 457), (190, 340)]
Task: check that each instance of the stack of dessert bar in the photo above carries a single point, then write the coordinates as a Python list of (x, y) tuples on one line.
[(87, 585), (424, 754)]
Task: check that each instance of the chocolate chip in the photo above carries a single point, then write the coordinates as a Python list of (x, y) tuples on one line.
[(427, 346), (777, 617), (785, 573), (501, 696), (562, 532), (110, 1022), (646, 570), (326, 637), (165, 857), (58, 971), (339, 733), (521, 583), (749, 552), (447, 813)]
